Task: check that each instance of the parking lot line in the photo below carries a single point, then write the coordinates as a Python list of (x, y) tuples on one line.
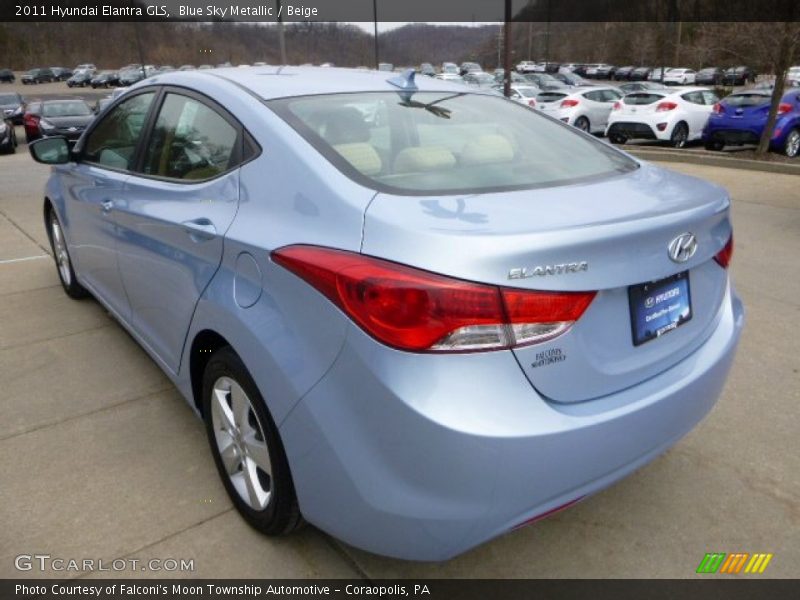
[(16, 260)]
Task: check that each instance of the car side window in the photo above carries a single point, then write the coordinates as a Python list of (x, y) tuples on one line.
[(112, 143), (190, 141), (611, 96), (710, 98), (594, 96), (693, 97)]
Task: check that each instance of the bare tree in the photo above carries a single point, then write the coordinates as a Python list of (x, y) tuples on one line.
[(787, 33)]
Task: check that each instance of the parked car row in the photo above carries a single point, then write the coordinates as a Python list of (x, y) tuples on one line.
[(735, 75)]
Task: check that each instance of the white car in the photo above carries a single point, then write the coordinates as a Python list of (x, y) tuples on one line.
[(676, 116), (680, 76), (450, 77), (522, 94), (655, 74), (793, 74), (568, 67), (585, 108), (591, 69), (526, 66)]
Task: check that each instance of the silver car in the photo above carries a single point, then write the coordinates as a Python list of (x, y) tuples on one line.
[(414, 314)]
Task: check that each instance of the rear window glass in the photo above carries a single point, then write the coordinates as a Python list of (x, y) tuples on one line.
[(550, 96), (746, 99), (66, 109), (445, 143), (641, 99)]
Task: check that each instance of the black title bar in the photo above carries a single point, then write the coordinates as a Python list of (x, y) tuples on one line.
[(401, 10)]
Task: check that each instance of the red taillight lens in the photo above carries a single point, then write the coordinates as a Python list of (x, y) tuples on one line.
[(617, 106), (717, 109), (666, 106), (784, 107), (569, 103), (724, 256), (30, 120), (420, 311), (532, 103)]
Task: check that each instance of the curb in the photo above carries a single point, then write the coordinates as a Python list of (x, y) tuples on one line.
[(711, 160)]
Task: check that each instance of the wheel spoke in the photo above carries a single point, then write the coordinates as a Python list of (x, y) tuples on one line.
[(230, 457), (258, 453), (222, 414), (240, 406), (257, 496)]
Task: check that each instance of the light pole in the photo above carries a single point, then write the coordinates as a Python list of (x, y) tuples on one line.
[(375, 22)]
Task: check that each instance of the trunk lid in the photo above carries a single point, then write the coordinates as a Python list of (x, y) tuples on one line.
[(620, 226)]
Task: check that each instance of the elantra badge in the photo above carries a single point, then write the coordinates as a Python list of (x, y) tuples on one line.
[(682, 248), (542, 270)]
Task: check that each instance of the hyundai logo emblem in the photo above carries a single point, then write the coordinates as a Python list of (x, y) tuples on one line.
[(682, 248)]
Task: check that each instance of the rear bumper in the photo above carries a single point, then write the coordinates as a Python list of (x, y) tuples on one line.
[(631, 130), (426, 456)]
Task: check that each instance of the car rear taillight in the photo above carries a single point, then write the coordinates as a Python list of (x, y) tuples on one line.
[(569, 103), (784, 107), (617, 106), (419, 311), (724, 256), (717, 109), (532, 103), (666, 106)]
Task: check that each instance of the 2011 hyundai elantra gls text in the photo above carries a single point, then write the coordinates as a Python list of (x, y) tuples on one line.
[(415, 314)]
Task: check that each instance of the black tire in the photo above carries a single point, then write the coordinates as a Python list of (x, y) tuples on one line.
[(281, 515), (680, 135), (791, 147), (69, 282), (617, 138), (714, 145), (582, 123)]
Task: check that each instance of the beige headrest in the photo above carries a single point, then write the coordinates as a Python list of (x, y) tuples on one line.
[(362, 156), (424, 158), (487, 149)]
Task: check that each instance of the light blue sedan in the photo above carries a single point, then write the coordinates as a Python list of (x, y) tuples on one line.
[(412, 313)]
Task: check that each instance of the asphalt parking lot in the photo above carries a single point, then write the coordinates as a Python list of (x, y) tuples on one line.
[(101, 458)]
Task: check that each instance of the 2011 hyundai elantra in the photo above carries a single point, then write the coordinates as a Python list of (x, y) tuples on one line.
[(415, 314)]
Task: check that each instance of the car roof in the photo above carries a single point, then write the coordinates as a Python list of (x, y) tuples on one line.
[(281, 82)]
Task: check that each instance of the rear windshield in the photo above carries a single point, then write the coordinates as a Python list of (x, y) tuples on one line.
[(550, 96), (528, 92), (445, 142), (641, 98), (9, 98), (746, 99), (66, 109)]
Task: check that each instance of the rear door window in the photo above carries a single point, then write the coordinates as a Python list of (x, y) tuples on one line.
[(191, 141)]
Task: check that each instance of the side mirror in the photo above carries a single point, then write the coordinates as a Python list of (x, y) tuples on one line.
[(50, 151)]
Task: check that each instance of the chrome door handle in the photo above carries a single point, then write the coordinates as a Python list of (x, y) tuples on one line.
[(106, 206), (200, 229)]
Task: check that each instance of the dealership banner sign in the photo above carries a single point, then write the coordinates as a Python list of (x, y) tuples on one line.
[(399, 11)]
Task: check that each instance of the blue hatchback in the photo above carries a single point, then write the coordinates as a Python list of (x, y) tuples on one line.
[(412, 313), (741, 118)]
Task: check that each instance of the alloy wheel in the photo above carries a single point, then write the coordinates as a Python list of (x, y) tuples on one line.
[(792, 143), (60, 250), (241, 443), (679, 136)]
